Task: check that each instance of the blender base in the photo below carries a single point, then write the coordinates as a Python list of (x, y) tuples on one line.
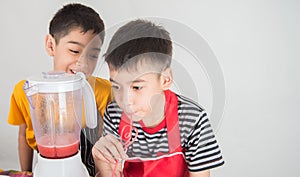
[(66, 167)]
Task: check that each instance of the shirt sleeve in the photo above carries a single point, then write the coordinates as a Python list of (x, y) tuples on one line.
[(18, 102), (112, 118), (19, 112), (203, 151)]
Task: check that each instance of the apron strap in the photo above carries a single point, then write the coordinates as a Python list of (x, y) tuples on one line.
[(172, 122)]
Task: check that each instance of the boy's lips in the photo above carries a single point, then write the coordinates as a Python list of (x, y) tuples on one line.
[(130, 113), (77, 67), (73, 71)]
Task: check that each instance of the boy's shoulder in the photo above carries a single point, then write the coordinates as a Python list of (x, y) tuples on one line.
[(187, 103), (103, 92), (20, 84), (99, 82), (18, 97), (113, 108), (100, 86), (18, 89), (190, 112)]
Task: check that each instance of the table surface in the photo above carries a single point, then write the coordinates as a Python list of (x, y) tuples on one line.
[(15, 173)]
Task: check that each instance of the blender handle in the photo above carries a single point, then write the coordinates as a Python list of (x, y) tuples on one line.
[(89, 103)]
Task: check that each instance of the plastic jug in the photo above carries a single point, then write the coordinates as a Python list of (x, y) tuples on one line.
[(56, 103)]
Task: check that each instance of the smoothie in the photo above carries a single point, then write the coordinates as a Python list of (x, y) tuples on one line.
[(61, 146)]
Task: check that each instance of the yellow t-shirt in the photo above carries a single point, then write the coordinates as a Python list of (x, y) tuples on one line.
[(19, 112)]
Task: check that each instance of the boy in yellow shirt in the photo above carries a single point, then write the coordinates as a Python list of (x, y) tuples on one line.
[(76, 35)]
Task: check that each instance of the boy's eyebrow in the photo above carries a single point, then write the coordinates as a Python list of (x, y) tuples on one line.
[(134, 81), (111, 80), (77, 43), (80, 44), (138, 80)]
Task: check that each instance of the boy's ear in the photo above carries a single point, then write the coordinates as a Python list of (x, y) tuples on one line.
[(50, 44), (166, 78)]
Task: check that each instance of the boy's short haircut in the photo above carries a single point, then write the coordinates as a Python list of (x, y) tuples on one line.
[(73, 16), (139, 42)]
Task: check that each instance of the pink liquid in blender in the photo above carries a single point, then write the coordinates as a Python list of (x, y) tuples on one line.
[(65, 145)]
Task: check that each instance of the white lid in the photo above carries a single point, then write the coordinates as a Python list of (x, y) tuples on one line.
[(55, 82)]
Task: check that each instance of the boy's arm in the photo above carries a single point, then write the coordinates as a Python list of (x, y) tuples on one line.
[(205, 173), (204, 148), (18, 111), (108, 148), (25, 151)]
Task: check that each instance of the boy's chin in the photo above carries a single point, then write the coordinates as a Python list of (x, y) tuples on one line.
[(135, 117)]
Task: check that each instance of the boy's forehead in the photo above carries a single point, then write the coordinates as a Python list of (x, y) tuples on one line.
[(95, 42), (84, 38), (126, 75)]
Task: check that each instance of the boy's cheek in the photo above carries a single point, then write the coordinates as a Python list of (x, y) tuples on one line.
[(92, 63), (117, 99)]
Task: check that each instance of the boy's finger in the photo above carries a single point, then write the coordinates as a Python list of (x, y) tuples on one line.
[(115, 147), (98, 155), (103, 146), (119, 147)]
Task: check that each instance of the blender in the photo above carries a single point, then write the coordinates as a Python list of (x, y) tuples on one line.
[(56, 102)]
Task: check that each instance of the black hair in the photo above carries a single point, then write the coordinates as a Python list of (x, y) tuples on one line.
[(75, 15), (139, 41)]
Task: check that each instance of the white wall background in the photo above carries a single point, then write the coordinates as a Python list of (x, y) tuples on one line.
[(256, 43)]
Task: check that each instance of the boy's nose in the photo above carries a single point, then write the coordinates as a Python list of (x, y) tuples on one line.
[(81, 65), (128, 100), (129, 109), (82, 60)]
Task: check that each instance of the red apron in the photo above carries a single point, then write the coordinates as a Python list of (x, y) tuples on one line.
[(170, 165)]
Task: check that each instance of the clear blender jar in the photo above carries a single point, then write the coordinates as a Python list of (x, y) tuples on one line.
[(56, 104)]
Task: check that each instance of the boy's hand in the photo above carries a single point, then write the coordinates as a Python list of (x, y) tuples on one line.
[(108, 148)]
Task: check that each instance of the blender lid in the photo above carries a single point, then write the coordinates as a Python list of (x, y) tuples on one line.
[(53, 82)]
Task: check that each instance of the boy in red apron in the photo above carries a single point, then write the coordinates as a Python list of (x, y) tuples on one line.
[(149, 130)]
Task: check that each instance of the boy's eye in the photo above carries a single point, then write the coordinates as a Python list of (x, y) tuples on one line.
[(74, 51), (93, 57), (115, 87), (137, 87)]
